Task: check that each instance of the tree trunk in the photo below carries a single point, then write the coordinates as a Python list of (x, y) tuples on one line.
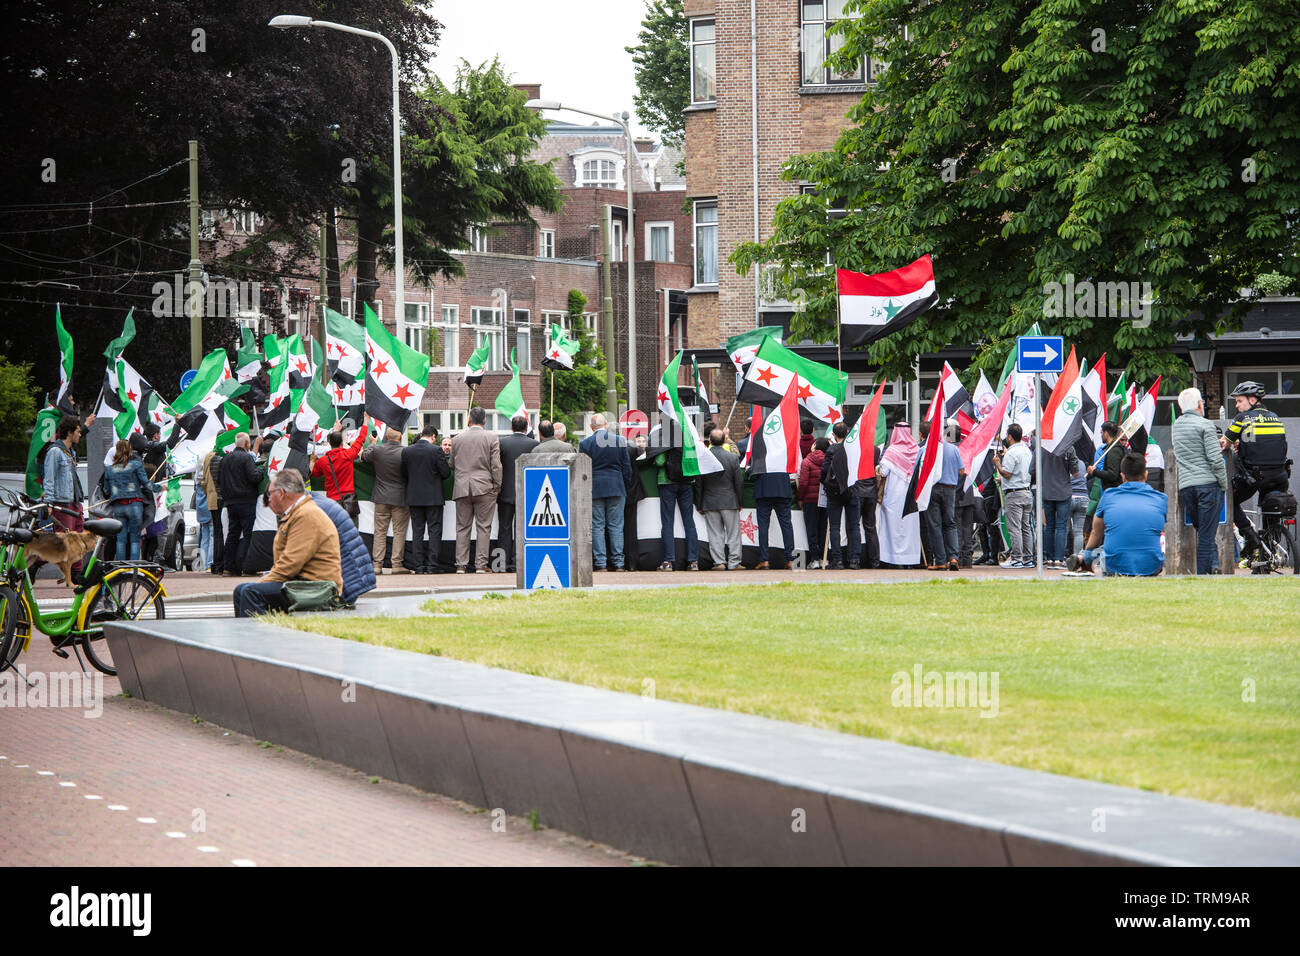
[(333, 284), (370, 228)]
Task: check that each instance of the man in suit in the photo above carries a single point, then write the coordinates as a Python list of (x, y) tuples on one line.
[(425, 466), (476, 463), (720, 496), (552, 438), (611, 477), (389, 499), (239, 482), (513, 447)]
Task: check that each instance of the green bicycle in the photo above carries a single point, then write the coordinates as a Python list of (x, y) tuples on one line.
[(111, 591)]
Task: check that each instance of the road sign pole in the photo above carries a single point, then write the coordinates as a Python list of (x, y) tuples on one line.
[(1038, 471)]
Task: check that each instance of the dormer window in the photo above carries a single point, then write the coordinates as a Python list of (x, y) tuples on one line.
[(598, 166)]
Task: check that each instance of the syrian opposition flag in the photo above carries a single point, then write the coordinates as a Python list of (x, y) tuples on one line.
[(560, 350), (777, 441), (873, 306), (345, 349), (248, 358), (299, 366), (206, 388), (233, 421), (277, 456), (696, 458), (65, 358), (862, 456), (820, 388), (315, 413), (701, 396), (1137, 427), (510, 400), (975, 448), (742, 348), (477, 363), (115, 348), (130, 397), (279, 405), (396, 374), (1063, 419)]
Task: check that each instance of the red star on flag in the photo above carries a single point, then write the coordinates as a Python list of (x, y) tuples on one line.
[(275, 464), (230, 426), (379, 368), (130, 395), (555, 353), (833, 414), (805, 391), (276, 402), (226, 375), (749, 528), (341, 350), (663, 396), (766, 376), (370, 348), (338, 393), (302, 367), (403, 393)]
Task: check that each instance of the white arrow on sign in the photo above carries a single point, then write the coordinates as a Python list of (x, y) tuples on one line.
[(1047, 355)]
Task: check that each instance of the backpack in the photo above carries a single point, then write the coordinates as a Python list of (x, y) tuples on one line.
[(40, 462), (673, 466)]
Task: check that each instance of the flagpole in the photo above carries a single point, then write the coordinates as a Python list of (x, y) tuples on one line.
[(552, 394), (1038, 481)]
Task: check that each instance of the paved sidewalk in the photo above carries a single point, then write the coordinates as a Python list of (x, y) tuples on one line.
[(133, 787)]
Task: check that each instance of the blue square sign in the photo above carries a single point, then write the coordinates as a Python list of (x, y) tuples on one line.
[(546, 567), (1223, 512), (546, 503), (1040, 353)]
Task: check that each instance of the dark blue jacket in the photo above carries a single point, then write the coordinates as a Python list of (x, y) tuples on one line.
[(354, 556), (611, 464), (773, 484)]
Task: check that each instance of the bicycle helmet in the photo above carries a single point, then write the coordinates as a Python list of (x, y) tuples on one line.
[(1248, 389)]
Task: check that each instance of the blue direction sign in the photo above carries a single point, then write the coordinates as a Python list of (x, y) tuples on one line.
[(1223, 513), (546, 567), (546, 504), (1040, 353), (187, 378)]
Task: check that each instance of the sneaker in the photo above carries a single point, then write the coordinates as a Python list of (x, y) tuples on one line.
[(693, 566), (855, 565), (953, 565), (762, 566), (460, 570), (401, 570), (666, 566), (835, 566), (936, 567), (814, 565)]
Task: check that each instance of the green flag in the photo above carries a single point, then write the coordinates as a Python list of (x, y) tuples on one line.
[(212, 372), (478, 363), (248, 359), (234, 421), (560, 350), (316, 411), (116, 346), (47, 421), (510, 401), (696, 458), (65, 359), (396, 375), (742, 348)]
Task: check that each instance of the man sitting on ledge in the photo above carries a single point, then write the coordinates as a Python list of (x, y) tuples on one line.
[(1127, 526), (306, 547)]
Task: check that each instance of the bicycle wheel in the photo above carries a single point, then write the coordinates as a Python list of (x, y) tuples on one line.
[(22, 632), (8, 626), (1280, 541), (126, 594)]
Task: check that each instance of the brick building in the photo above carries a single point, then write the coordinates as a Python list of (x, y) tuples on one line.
[(518, 276)]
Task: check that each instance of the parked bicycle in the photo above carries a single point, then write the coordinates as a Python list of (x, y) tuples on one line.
[(1277, 536), (110, 591)]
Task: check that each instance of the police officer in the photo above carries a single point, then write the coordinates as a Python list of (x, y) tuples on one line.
[(1259, 438)]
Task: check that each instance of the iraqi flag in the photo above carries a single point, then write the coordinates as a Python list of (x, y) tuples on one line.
[(742, 348), (820, 388), (1137, 427), (862, 455), (1093, 392), (345, 349), (950, 398), (1062, 423), (396, 375), (873, 306), (696, 458), (930, 467), (776, 444), (560, 350), (975, 448)]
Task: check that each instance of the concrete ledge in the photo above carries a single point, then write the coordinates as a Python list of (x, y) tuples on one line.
[(668, 781)]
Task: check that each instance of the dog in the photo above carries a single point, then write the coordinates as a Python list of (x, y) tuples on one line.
[(63, 549)]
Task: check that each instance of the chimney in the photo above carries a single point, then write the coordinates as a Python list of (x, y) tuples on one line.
[(532, 91), (643, 144)]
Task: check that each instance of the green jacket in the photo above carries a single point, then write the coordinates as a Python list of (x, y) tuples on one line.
[(1196, 448)]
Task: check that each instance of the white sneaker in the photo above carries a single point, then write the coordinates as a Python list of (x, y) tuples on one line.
[(814, 566)]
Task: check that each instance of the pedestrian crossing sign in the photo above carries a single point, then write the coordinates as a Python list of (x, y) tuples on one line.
[(546, 504), (546, 567)]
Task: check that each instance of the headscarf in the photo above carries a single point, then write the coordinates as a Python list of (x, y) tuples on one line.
[(902, 450)]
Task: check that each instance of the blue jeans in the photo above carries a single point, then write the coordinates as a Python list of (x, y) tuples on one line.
[(939, 525), (850, 510), (814, 523), (765, 507), (204, 517), (677, 496), (258, 597), (128, 539), (1201, 503), (1056, 525), (607, 514)]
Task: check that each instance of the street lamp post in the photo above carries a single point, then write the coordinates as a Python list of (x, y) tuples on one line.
[(631, 235), (291, 22)]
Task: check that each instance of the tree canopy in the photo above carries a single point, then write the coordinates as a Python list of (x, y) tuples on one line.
[(661, 59), (1021, 141)]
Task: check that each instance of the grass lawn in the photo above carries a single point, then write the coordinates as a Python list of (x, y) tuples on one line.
[(1138, 683)]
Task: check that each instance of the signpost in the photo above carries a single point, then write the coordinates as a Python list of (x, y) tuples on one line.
[(1039, 354), (553, 521), (187, 378), (633, 424)]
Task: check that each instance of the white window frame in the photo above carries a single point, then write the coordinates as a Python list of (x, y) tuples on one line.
[(523, 340), (244, 221), (695, 257), (870, 69), (693, 45), (450, 328), (478, 238), (547, 244), (494, 332), (649, 247), (616, 241), (550, 318), (420, 327), (598, 154), (449, 420)]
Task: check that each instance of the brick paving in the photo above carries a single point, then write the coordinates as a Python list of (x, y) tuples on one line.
[(264, 806)]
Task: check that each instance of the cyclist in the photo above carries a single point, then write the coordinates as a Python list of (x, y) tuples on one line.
[(1259, 438)]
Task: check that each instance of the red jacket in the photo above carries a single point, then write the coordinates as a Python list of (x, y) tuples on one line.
[(338, 461), (806, 443), (810, 476)]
